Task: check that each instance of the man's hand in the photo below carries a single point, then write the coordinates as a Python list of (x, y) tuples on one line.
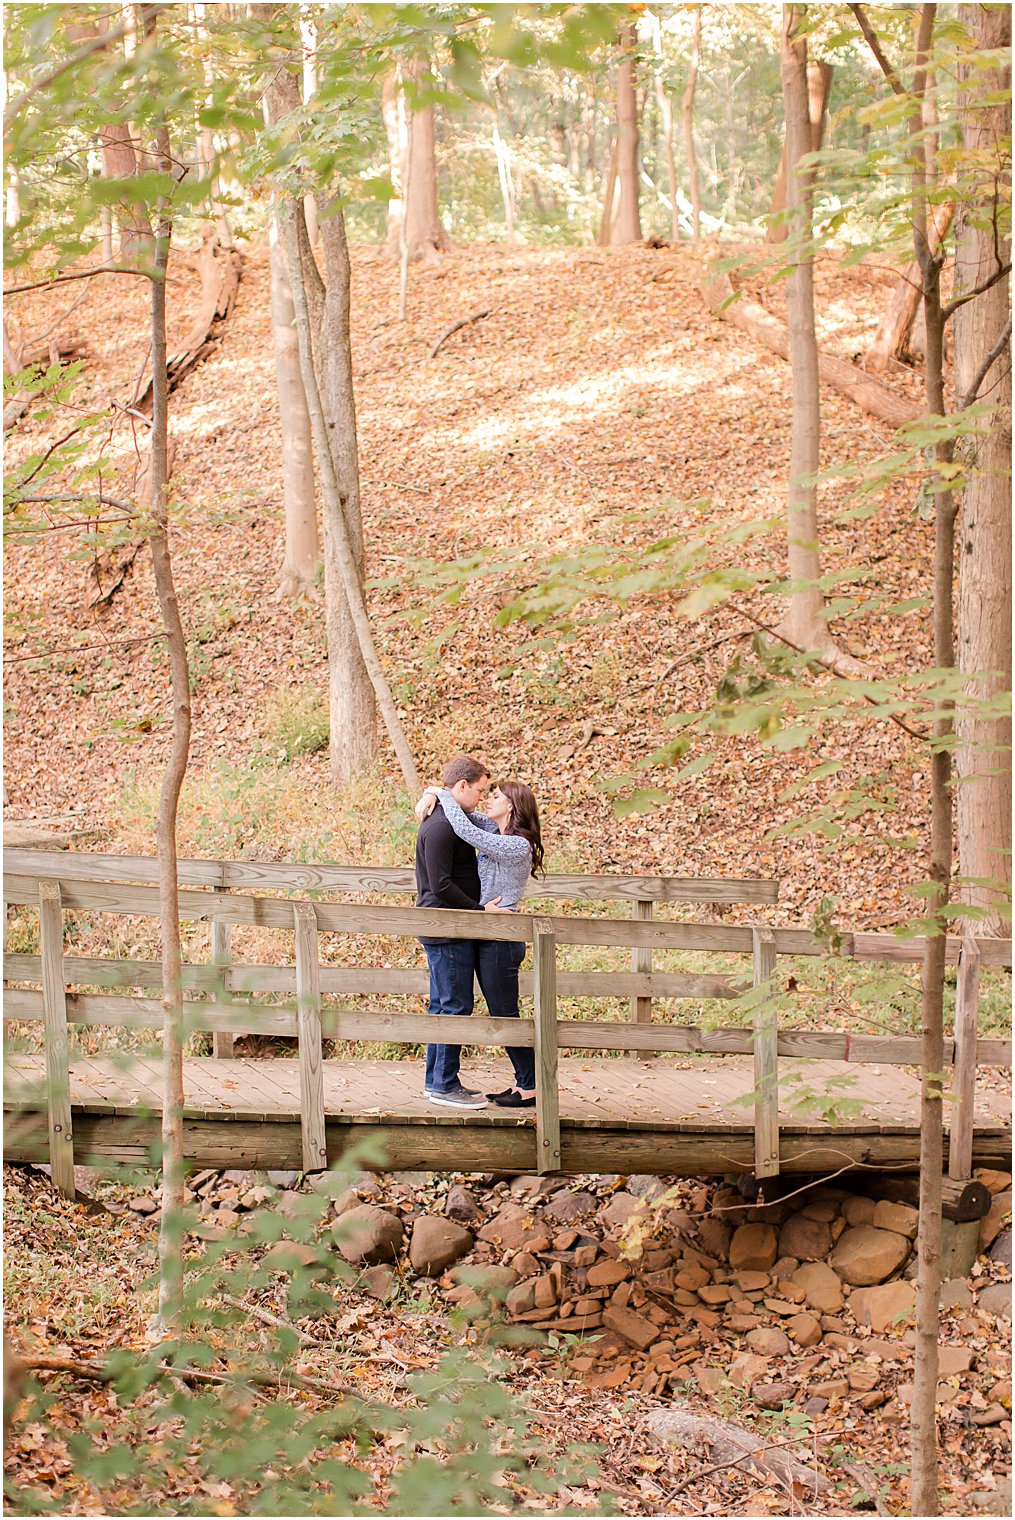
[(426, 804), (492, 907)]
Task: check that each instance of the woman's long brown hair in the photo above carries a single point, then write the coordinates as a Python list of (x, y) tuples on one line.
[(524, 819)]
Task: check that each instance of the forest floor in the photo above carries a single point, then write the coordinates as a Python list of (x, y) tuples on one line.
[(599, 409)]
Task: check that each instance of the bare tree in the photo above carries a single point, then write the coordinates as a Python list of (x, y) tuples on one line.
[(425, 238), (302, 541), (687, 111), (665, 110), (983, 358), (321, 304), (819, 87), (621, 202)]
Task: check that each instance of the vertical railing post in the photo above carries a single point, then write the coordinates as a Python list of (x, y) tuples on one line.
[(766, 1059), (311, 1053), (544, 965), (221, 954), (641, 961), (967, 1026), (54, 1005)]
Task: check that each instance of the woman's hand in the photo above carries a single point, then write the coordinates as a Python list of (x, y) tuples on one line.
[(426, 804), (493, 906)]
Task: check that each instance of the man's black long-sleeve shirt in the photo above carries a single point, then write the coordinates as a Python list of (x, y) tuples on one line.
[(447, 875)]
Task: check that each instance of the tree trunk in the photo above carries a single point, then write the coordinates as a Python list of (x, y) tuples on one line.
[(626, 228), (356, 677), (205, 135), (425, 237), (605, 237), (171, 1223), (665, 110), (397, 132), (804, 623), (924, 1497), (308, 48), (891, 341), (985, 636), (302, 543), (507, 192), (687, 109), (819, 86)]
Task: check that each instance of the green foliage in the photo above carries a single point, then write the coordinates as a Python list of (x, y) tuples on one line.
[(296, 723)]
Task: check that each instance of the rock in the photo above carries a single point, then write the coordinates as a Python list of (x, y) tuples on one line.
[(635, 1328), (780, 1306), (991, 1223), (993, 1415), (142, 1204), (863, 1379), (951, 1360), (714, 1235), (534, 1188), (287, 1255), (883, 1307), (487, 1277), (791, 1291), (821, 1286), (900, 1217), (378, 1282), (804, 1329), (461, 1205), (784, 1267), (996, 1300), (752, 1282), (714, 1294), (525, 1264), (773, 1395), (350, 1199), (283, 1179), (367, 1235), (568, 1207), (831, 1388), (754, 1247), (691, 1277), (436, 1244), (512, 1228), (857, 1210), (746, 1369), (825, 1210), (994, 1501), (956, 1294), (767, 1342), (994, 1182), (1000, 1251), (607, 1273), (805, 1238), (865, 1255), (521, 1298), (615, 1215), (645, 1187)]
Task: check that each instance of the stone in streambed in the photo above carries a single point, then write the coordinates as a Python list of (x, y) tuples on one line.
[(436, 1244), (806, 1239), (821, 1286), (368, 1235), (900, 1217), (884, 1306), (865, 1255), (754, 1247), (461, 1205)]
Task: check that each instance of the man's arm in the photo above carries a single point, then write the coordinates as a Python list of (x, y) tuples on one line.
[(438, 854)]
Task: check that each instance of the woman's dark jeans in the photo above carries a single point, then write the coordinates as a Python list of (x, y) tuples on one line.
[(497, 963)]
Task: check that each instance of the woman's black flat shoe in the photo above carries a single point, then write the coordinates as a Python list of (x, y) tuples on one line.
[(499, 1097), (513, 1099)]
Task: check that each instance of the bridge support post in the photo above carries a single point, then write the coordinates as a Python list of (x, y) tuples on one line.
[(54, 1006), (544, 962), (308, 1024), (766, 1060), (967, 1028), (641, 961), (221, 955)]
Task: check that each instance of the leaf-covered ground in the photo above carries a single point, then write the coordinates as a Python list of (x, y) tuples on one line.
[(600, 405)]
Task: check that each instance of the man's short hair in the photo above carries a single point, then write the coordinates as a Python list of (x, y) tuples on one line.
[(463, 768)]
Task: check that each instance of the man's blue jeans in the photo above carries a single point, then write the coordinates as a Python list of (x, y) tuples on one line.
[(452, 973)]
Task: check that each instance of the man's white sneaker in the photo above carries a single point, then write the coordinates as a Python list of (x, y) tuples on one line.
[(458, 1097)]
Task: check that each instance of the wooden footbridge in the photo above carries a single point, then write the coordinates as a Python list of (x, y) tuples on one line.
[(680, 1099)]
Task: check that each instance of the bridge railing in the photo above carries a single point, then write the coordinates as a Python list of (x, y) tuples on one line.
[(56, 883)]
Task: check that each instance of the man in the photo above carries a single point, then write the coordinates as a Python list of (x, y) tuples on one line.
[(447, 876)]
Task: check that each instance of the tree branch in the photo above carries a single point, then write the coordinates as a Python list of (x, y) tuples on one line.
[(1003, 338), (95, 44), (977, 290), (80, 274), (876, 48)]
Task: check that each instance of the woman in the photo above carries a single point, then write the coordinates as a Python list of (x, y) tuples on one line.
[(509, 849)]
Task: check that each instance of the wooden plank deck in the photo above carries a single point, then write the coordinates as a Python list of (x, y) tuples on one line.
[(672, 1115)]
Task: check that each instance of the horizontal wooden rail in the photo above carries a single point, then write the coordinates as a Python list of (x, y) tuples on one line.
[(100, 971), (232, 875), (359, 1024), (360, 918)]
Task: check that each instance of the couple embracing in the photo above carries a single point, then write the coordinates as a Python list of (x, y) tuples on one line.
[(471, 860)]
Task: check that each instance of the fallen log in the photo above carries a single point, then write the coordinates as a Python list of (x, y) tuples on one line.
[(892, 339), (220, 269), (729, 1445), (869, 394)]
